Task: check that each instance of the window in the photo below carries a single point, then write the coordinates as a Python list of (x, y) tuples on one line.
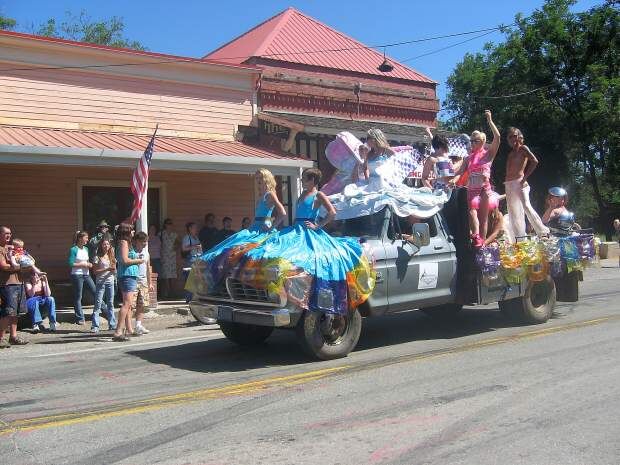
[(113, 203), (404, 226), (369, 227)]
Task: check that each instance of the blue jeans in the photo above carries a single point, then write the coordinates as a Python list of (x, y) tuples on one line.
[(38, 304), (104, 294), (79, 280)]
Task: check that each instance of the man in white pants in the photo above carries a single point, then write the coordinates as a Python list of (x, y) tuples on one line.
[(520, 165)]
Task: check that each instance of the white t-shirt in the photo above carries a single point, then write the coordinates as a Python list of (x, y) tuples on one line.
[(80, 256), (142, 267)]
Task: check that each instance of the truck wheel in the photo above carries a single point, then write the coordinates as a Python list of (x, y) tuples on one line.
[(245, 335), (536, 305), (326, 336), (442, 312)]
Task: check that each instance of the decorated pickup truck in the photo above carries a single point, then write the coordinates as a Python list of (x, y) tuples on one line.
[(425, 264)]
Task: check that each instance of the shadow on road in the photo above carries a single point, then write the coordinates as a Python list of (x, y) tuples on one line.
[(281, 349)]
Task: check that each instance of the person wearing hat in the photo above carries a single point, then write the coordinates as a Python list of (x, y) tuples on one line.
[(103, 229), (555, 205)]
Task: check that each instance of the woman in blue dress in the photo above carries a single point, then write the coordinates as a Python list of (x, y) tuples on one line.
[(215, 264), (315, 270)]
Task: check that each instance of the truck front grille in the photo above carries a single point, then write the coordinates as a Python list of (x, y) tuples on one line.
[(243, 292)]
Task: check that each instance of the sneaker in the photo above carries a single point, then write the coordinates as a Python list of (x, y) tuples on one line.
[(18, 341), (142, 329), (80, 322), (4, 344), (54, 326), (138, 331), (42, 327), (94, 330), (35, 328), (111, 328)]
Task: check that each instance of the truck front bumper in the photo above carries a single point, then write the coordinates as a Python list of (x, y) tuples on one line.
[(274, 317)]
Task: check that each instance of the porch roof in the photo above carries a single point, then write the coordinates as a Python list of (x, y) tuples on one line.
[(74, 147)]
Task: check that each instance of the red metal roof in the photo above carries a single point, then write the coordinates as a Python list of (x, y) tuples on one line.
[(41, 137), (292, 36), (163, 57)]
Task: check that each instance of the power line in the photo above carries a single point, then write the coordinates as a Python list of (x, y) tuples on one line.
[(447, 47), (493, 97), (268, 55)]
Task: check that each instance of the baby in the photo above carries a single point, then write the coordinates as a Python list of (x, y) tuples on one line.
[(20, 257)]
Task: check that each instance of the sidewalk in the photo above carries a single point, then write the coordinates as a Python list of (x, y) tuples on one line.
[(65, 314)]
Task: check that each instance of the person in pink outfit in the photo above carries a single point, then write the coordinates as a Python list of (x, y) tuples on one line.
[(478, 165)]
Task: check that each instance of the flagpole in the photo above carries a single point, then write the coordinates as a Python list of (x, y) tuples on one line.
[(143, 220)]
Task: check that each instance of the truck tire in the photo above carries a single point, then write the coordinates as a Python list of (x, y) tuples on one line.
[(326, 337), (442, 312), (245, 335), (537, 304)]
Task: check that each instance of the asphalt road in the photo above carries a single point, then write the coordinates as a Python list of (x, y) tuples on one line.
[(475, 390)]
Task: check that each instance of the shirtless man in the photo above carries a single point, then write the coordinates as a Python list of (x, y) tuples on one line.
[(520, 165)]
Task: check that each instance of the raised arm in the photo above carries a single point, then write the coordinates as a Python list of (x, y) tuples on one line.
[(494, 146), (278, 207)]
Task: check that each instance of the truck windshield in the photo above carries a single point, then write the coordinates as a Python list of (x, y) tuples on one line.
[(369, 227)]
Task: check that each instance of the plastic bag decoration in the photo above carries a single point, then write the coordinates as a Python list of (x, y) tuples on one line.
[(553, 257), (511, 258), (488, 261), (534, 259)]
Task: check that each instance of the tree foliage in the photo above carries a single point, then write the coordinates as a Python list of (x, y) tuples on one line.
[(560, 72), (82, 28), (6, 23)]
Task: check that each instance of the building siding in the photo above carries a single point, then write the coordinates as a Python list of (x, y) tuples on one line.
[(40, 204), (87, 100)]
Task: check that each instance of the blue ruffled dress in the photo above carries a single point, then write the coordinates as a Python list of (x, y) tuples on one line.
[(216, 263), (318, 271)]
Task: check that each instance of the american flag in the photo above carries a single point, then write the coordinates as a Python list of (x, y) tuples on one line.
[(140, 178)]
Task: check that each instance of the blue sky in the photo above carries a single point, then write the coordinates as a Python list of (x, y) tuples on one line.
[(193, 27)]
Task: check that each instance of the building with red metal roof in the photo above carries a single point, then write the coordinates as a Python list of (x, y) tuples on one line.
[(317, 81)]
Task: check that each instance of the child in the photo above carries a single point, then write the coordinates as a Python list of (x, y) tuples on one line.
[(40, 298), (21, 257), (104, 268), (145, 286)]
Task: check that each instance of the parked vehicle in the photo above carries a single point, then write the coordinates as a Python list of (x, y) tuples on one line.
[(434, 272)]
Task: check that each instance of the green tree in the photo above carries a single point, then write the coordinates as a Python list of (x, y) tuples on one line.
[(82, 28), (566, 66), (6, 23)]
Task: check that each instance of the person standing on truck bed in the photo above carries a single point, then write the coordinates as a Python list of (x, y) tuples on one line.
[(520, 164), (478, 165), (438, 164)]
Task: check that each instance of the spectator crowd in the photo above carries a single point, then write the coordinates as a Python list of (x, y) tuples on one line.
[(110, 262)]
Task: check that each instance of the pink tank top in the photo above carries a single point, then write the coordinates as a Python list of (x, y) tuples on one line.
[(479, 170)]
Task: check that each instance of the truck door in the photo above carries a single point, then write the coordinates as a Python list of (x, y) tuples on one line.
[(418, 276)]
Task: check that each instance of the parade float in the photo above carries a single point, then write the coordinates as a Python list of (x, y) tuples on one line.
[(416, 253)]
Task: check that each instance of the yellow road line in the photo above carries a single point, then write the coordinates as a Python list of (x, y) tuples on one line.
[(157, 403)]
